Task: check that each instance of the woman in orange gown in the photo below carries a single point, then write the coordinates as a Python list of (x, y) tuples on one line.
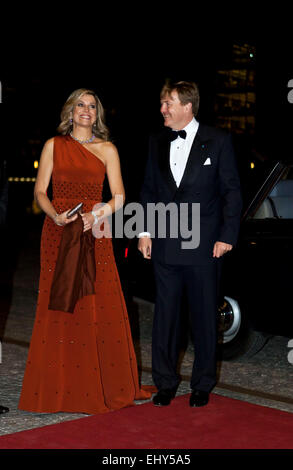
[(81, 360)]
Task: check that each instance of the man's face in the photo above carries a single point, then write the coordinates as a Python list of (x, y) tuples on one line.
[(175, 114)]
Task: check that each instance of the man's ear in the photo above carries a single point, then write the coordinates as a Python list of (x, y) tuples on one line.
[(188, 107)]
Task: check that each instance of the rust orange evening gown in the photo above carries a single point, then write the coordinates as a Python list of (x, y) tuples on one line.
[(82, 361)]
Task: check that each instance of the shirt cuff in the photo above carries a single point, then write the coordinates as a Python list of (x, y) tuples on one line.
[(144, 234)]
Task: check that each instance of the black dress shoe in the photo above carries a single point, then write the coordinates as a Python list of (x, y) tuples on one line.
[(3, 410), (163, 397), (199, 398)]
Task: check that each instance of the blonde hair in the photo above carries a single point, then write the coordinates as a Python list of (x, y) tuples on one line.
[(99, 128)]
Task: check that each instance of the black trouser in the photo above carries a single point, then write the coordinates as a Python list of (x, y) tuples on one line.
[(200, 283)]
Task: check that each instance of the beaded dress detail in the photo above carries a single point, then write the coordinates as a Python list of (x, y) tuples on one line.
[(83, 361)]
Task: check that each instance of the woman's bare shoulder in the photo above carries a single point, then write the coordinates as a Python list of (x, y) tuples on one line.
[(48, 146), (49, 142)]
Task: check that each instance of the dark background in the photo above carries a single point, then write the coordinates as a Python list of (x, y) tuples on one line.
[(128, 77)]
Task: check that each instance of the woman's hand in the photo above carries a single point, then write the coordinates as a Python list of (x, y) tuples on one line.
[(61, 219), (88, 221)]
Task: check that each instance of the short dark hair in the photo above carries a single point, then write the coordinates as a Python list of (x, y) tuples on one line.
[(187, 93)]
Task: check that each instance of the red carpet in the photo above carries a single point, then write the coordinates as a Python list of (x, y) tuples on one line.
[(223, 424)]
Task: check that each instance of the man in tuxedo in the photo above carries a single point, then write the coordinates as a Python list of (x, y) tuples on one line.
[(188, 163)]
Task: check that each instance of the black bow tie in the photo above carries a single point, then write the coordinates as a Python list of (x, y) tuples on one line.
[(175, 134)]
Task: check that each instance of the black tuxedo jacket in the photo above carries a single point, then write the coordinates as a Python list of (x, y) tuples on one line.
[(210, 179)]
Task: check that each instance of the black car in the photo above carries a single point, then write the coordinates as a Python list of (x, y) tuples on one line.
[(257, 276), (255, 299)]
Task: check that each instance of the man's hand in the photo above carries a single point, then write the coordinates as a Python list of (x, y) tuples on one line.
[(145, 247), (220, 248)]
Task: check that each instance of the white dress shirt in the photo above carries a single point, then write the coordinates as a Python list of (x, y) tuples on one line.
[(180, 149)]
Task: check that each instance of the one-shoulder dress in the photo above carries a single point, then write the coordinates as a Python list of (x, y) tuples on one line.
[(83, 361)]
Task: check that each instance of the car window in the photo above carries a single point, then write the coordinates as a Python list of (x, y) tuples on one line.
[(279, 202)]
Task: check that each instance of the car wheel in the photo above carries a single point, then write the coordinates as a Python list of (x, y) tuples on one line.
[(237, 338)]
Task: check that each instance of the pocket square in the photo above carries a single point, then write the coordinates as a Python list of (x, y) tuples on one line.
[(208, 161)]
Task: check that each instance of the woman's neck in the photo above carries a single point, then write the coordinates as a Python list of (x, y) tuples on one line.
[(82, 133)]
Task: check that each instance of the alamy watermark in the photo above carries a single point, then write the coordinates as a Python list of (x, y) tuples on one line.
[(164, 220)]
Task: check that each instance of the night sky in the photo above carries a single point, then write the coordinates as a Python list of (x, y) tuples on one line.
[(128, 77)]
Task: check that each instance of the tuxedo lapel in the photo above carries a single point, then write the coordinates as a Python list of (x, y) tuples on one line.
[(196, 158), (164, 162)]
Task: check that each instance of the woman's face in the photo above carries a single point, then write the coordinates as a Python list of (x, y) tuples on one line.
[(85, 111)]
